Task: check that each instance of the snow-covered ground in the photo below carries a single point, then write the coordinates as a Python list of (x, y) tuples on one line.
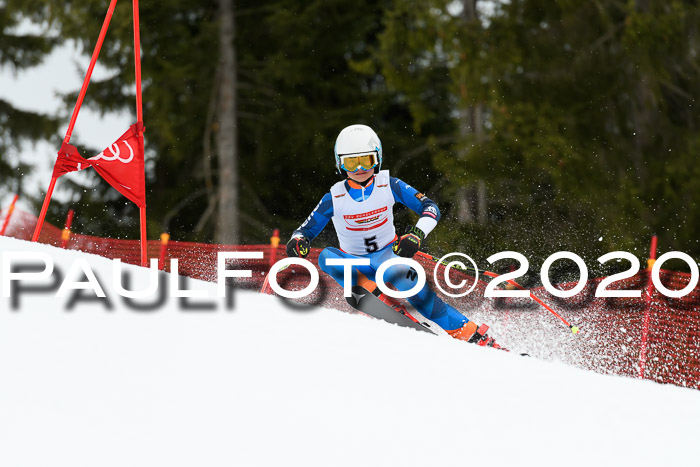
[(263, 384)]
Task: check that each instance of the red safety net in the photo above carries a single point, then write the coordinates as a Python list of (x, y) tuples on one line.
[(654, 337)]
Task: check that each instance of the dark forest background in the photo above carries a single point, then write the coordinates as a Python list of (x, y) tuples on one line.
[(536, 125)]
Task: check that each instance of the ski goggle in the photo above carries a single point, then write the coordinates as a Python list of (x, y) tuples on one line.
[(355, 162)]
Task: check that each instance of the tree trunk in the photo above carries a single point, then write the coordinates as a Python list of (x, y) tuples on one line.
[(471, 123), (227, 226), (469, 12), (464, 210), (482, 207), (465, 213)]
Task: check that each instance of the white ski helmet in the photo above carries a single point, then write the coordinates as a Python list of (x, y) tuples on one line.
[(357, 139)]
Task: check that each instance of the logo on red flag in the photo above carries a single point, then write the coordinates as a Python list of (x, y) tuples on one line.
[(114, 150), (121, 164)]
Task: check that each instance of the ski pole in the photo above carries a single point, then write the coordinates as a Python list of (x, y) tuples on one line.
[(574, 329), (266, 282)]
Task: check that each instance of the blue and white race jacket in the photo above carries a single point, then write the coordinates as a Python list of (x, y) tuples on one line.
[(363, 215)]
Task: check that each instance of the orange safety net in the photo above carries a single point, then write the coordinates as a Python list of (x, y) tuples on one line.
[(621, 336)]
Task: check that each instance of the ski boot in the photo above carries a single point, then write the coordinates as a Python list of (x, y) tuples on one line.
[(393, 303), (474, 335)]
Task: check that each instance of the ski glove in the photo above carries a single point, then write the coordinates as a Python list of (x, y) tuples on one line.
[(409, 244), (298, 247)]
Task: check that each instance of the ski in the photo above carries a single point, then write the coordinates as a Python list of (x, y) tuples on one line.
[(368, 303), (378, 305)]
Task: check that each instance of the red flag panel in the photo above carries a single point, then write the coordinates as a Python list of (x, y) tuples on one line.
[(121, 164)]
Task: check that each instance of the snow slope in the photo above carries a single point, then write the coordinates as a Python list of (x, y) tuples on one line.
[(265, 384)]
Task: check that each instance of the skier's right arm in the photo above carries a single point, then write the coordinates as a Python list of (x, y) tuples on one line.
[(298, 245)]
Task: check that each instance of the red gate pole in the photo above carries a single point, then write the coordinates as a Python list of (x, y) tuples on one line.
[(139, 119), (65, 235), (274, 243), (74, 117), (93, 60), (144, 253), (164, 238), (647, 308), (44, 208), (10, 210)]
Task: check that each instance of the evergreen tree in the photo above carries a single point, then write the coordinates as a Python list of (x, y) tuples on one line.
[(178, 71), (574, 120), (295, 89), (20, 51), (584, 101), (299, 86)]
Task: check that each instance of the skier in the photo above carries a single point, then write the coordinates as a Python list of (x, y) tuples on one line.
[(361, 207)]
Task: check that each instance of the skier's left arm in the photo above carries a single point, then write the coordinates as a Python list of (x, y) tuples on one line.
[(409, 244)]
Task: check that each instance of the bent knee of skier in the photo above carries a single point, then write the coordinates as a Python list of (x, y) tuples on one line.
[(336, 272)]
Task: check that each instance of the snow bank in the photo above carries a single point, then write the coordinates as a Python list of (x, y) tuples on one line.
[(264, 384)]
